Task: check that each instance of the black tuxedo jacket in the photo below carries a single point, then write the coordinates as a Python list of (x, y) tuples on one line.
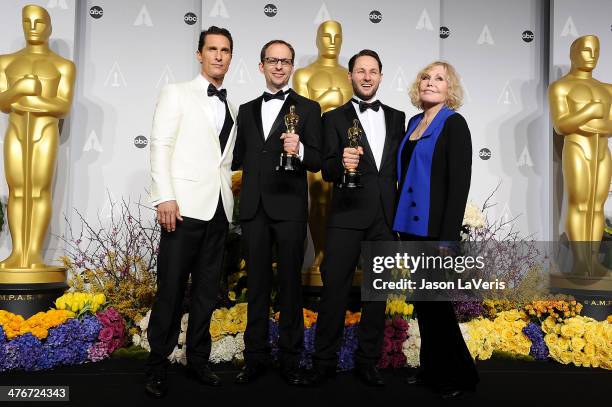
[(284, 195), (356, 208)]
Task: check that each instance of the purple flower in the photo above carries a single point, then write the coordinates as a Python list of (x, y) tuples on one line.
[(538, 350), (273, 337), (347, 350), (389, 331), (22, 352), (468, 310)]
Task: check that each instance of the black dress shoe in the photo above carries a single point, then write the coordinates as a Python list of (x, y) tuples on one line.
[(294, 376), (155, 386), (415, 380), (370, 375), (455, 394), (249, 374), (205, 375)]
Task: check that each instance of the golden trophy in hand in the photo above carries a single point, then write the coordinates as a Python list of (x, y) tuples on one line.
[(352, 177), (290, 161)]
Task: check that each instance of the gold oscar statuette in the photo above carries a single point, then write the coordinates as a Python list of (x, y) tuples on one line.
[(290, 161), (580, 111), (326, 82), (36, 90), (352, 177)]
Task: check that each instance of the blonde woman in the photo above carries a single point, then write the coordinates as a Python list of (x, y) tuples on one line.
[(434, 164)]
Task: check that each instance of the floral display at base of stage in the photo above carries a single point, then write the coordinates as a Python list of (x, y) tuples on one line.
[(72, 334), (84, 328)]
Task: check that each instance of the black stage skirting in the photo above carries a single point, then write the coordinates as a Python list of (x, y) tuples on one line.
[(119, 382)]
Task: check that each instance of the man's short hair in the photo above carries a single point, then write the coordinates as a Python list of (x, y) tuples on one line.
[(262, 54), (215, 30), (362, 53)]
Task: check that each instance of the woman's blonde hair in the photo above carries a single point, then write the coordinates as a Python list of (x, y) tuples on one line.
[(455, 91)]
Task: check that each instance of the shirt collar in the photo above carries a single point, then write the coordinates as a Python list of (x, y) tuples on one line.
[(285, 89), (358, 99), (204, 82)]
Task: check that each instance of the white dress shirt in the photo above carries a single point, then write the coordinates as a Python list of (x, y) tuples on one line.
[(375, 128), (269, 112), (219, 110)]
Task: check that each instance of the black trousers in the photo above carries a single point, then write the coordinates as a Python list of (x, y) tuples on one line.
[(445, 360), (196, 248), (260, 233), (342, 251)]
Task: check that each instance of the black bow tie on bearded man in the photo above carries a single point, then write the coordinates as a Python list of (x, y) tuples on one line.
[(363, 106)]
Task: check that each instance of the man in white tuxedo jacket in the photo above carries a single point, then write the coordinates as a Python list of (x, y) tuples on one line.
[(191, 155)]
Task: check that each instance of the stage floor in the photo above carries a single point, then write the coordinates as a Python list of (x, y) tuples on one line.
[(119, 382)]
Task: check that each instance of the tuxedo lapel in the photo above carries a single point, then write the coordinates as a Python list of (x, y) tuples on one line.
[(257, 117), (280, 118), (388, 135), (350, 114), (203, 101)]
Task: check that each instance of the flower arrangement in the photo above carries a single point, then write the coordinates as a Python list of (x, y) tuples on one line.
[(557, 307), (38, 324), (117, 257), (412, 345), (111, 336), (509, 326), (397, 306), (468, 310), (396, 332), (61, 336), (80, 302), (579, 340)]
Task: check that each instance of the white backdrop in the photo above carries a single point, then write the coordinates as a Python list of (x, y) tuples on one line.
[(129, 49)]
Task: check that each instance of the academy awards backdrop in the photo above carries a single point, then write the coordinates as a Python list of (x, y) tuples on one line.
[(506, 52)]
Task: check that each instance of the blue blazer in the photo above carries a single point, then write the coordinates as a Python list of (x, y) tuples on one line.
[(437, 181)]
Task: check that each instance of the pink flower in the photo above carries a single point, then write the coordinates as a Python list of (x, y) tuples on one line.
[(106, 334), (401, 335), (117, 330), (398, 360), (387, 345), (103, 318), (400, 324), (397, 345), (389, 331), (112, 314)]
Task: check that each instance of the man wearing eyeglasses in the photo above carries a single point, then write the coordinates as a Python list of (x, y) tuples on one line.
[(274, 209)]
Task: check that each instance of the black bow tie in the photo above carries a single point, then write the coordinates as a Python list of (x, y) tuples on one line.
[(220, 93), (278, 95), (363, 106)]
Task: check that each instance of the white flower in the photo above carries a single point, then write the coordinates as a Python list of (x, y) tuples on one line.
[(136, 339), (144, 322), (182, 338), (184, 321), (178, 355), (473, 216), (223, 350), (412, 345)]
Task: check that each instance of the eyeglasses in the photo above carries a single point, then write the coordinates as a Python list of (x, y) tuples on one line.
[(274, 61)]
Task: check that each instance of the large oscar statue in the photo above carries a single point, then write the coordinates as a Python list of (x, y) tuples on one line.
[(580, 110), (327, 83), (36, 89)]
